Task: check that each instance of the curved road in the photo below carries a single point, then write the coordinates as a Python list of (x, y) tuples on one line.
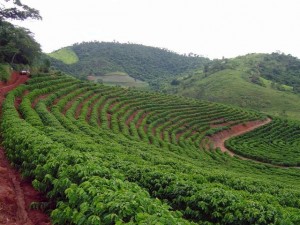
[(219, 139)]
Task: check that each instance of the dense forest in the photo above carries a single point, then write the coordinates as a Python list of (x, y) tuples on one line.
[(17, 44), (281, 68), (153, 65)]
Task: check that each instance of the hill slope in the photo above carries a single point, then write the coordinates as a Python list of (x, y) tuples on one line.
[(245, 82), (266, 82), (66, 55), (116, 156), (149, 64)]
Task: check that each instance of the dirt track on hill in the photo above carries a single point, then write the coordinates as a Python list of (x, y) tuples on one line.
[(219, 138), (16, 194)]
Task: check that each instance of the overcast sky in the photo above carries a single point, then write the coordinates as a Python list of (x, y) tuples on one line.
[(213, 28)]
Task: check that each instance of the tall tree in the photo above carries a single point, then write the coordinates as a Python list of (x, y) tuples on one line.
[(18, 11), (17, 44)]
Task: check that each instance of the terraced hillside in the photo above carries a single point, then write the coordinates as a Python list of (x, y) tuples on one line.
[(277, 143), (107, 155), (16, 194)]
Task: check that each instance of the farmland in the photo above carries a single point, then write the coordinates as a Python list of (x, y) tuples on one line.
[(247, 81), (119, 79), (108, 155), (277, 143)]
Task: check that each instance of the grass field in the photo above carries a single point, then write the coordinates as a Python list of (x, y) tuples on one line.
[(232, 87), (268, 84), (66, 55), (4, 72)]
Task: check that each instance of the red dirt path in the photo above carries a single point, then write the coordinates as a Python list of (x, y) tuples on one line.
[(16, 194), (219, 138)]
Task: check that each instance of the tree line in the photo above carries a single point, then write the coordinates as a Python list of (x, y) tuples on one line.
[(17, 44), (150, 64)]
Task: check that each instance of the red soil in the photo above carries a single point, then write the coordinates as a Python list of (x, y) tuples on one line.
[(61, 97), (38, 99), (57, 100), (18, 101), (81, 104), (16, 194), (70, 103), (178, 135), (112, 105), (100, 109), (131, 117), (153, 131), (90, 109), (109, 115), (140, 120), (219, 138), (15, 80), (138, 124), (162, 135)]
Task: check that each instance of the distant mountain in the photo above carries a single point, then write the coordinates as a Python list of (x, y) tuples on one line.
[(152, 65), (265, 82)]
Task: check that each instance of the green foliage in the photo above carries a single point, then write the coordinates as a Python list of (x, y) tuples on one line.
[(5, 72), (17, 45), (108, 155), (257, 80), (264, 82), (66, 55), (281, 68), (175, 82), (232, 86), (149, 64), (19, 11), (276, 143)]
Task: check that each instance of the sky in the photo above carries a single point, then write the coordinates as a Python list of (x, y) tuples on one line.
[(212, 28)]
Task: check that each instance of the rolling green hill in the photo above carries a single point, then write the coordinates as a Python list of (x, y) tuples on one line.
[(148, 64), (66, 55), (110, 155), (266, 82), (245, 82)]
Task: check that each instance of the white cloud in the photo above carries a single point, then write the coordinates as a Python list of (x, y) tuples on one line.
[(214, 28)]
